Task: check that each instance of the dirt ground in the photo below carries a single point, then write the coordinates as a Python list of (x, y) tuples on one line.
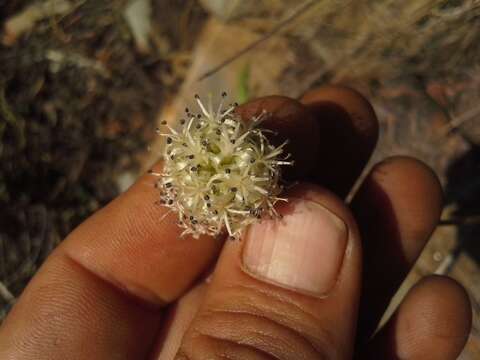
[(79, 95)]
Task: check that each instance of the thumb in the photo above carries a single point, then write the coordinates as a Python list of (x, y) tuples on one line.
[(288, 290)]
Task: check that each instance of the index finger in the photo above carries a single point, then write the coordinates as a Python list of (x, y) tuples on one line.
[(96, 294)]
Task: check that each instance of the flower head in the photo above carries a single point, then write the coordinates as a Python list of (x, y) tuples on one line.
[(220, 172)]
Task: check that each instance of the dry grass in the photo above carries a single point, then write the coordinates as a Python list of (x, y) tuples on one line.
[(378, 39)]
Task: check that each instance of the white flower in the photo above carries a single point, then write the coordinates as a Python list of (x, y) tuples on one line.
[(220, 172)]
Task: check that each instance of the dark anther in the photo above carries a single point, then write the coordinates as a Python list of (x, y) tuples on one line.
[(252, 160), (198, 126), (185, 144), (191, 217), (204, 142), (191, 156), (199, 116), (197, 97), (164, 122), (193, 168), (215, 212), (194, 222), (224, 94), (228, 171), (186, 110), (150, 171), (218, 132), (234, 189), (235, 104), (172, 157), (209, 205), (182, 121), (169, 140), (206, 197), (168, 185), (170, 202), (232, 141)]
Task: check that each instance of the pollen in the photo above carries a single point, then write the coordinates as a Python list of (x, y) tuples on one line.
[(220, 172)]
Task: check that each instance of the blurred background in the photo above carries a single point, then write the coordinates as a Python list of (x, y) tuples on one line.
[(84, 83)]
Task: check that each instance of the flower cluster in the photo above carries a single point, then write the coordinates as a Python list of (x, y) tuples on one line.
[(220, 172)]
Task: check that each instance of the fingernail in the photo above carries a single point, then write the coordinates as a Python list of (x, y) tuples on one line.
[(302, 251)]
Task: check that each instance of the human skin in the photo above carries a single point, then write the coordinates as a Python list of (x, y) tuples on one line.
[(124, 286)]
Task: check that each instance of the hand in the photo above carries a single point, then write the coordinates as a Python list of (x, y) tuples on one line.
[(124, 286)]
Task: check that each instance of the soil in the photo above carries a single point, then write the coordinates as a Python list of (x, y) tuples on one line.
[(78, 103)]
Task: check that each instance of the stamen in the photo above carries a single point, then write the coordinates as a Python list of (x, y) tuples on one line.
[(204, 111)]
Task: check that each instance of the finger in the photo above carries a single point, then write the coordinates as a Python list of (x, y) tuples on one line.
[(289, 290), (124, 250), (348, 135), (433, 322), (397, 208), (101, 285), (68, 313), (179, 318), (291, 120)]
